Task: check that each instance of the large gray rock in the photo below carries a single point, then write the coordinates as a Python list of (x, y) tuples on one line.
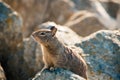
[(32, 56), (10, 40), (103, 48), (11, 44), (10, 27), (57, 74)]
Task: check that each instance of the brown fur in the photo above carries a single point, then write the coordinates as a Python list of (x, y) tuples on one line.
[(56, 54)]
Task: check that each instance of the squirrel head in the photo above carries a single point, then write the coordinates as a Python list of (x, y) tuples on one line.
[(44, 35)]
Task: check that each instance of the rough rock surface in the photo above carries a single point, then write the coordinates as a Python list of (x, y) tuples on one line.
[(118, 19), (84, 23), (10, 40), (2, 74), (10, 24), (103, 48), (32, 57), (57, 74)]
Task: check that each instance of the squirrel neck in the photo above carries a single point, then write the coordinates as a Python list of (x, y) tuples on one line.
[(54, 46)]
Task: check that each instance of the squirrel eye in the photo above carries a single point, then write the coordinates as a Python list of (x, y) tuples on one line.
[(42, 33)]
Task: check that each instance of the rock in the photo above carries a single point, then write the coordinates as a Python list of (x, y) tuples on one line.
[(10, 30), (112, 8), (102, 15), (103, 48), (82, 4), (10, 41), (41, 11), (58, 74), (115, 1), (11, 27), (118, 19), (32, 56), (60, 14), (2, 74), (84, 23)]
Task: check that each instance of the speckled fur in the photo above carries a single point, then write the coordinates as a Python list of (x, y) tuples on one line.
[(56, 54)]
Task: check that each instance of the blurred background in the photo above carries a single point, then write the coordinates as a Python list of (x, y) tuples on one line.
[(83, 16), (21, 56)]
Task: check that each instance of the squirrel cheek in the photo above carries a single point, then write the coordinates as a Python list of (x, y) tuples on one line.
[(36, 38)]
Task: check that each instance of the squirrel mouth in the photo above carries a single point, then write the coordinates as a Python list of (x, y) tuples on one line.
[(33, 35), (35, 38)]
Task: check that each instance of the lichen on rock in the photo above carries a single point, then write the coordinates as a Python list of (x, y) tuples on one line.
[(103, 48), (57, 74)]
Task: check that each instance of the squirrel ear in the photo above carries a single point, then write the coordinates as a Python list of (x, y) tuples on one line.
[(53, 30)]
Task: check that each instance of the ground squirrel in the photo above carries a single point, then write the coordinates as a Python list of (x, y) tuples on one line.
[(56, 54)]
